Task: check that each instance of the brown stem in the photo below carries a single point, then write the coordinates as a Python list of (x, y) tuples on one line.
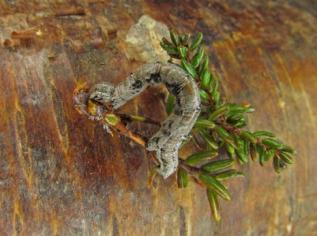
[(196, 141), (122, 129), (193, 171), (228, 127), (130, 118)]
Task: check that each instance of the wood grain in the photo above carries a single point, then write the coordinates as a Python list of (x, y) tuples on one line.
[(61, 174)]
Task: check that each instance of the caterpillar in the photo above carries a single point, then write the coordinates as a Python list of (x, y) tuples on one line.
[(177, 126)]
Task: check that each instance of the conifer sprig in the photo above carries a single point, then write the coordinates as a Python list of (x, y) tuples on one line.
[(221, 128)]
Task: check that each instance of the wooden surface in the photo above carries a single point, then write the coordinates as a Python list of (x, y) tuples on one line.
[(61, 174)]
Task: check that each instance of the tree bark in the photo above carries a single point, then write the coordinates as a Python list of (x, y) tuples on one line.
[(61, 174)]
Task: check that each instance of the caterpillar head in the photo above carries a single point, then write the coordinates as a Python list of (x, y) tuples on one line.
[(102, 93), (84, 105)]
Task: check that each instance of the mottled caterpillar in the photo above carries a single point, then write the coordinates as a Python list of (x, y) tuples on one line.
[(175, 129)]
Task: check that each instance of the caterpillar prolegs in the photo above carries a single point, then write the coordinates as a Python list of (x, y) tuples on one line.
[(175, 129)]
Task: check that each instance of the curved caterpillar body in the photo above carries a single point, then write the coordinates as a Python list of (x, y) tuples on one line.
[(175, 129)]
